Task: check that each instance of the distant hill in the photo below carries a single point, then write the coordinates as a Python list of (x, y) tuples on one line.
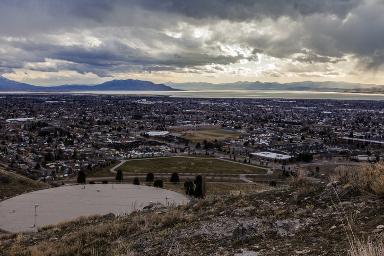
[(114, 85), (9, 85), (12, 184), (140, 85), (296, 86)]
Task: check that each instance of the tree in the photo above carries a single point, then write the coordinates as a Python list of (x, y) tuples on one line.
[(272, 183), (38, 166), (198, 145), (158, 184), (150, 177), (189, 187), (81, 177), (136, 181), (119, 175), (49, 140), (75, 154), (305, 157), (175, 177), (199, 187)]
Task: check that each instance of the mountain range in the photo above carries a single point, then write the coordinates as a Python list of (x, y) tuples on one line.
[(114, 85), (140, 85)]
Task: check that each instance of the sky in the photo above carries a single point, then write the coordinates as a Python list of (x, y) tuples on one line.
[(50, 42)]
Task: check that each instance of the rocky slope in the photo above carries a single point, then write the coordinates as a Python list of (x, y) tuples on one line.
[(304, 220)]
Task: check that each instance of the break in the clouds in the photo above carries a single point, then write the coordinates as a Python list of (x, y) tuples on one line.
[(87, 41)]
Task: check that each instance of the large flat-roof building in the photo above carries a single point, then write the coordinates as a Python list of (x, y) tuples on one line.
[(271, 156)]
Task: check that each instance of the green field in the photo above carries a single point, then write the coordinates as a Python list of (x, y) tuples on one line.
[(103, 171), (187, 165)]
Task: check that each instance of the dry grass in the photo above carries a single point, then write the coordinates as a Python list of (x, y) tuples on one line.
[(12, 184), (210, 135), (366, 248), (96, 235), (368, 177), (222, 188), (303, 185), (156, 220)]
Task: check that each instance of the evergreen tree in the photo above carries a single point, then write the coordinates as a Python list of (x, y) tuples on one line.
[(189, 187), (150, 177), (175, 177), (136, 181), (119, 175), (81, 177), (199, 187)]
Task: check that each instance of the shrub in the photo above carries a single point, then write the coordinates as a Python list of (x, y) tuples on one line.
[(136, 181), (175, 177), (104, 182), (272, 183), (4, 180), (303, 185), (158, 184), (150, 177)]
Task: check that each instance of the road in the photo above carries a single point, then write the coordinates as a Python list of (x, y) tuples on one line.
[(113, 169)]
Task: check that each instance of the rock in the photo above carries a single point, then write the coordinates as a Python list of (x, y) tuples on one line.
[(245, 252), (378, 229), (153, 206), (305, 251), (109, 216), (244, 211), (333, 183), (287, 227), (244, 232)]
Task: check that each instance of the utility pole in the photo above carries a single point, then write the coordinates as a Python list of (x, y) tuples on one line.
[(35, 217)]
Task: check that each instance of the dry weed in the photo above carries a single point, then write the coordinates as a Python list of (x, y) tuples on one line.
[(368, 248), (368, 177)]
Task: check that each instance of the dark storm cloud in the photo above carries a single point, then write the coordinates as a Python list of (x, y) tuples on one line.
[(133, 33), (249, 9), (309, 57), (42, 15), (360, 34), (113, 56)]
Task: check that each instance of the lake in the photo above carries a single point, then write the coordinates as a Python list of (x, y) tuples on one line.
[(250, 94), (233, 94)]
